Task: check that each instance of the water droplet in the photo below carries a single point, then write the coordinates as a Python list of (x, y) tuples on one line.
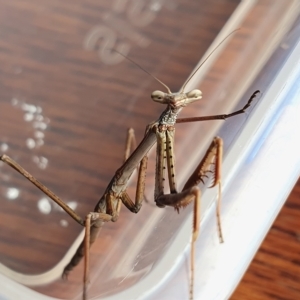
[(64, 223), (30, 143), (44, 206), (40, 125), (28, 117), (39, 134), (3, 147), (73, 204), (29, 107), (12, 193)]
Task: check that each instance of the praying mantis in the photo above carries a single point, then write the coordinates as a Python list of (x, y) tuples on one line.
[(162, 133)]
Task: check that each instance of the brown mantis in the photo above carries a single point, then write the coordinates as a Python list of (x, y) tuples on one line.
[(162, 132)]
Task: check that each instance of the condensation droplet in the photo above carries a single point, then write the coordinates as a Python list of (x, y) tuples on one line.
[(3, 147), (39, 134), (64, 223), (156, 6), (40, 125), (30, 143), (12, 193), (29, 107), (43, 162), (73, 204), (28, 117), (44, 206)]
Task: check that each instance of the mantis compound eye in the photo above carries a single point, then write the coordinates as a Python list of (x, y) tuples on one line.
[(194, 94), (158, 96)]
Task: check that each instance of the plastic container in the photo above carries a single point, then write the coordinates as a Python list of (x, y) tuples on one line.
[(76, 148)]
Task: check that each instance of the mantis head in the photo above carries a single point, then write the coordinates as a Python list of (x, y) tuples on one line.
[(176, 100)]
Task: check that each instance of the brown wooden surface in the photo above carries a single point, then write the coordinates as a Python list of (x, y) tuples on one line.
[(275, 270)]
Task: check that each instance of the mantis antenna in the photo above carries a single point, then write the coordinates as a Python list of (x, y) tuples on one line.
[(210, 54), (187, 81)]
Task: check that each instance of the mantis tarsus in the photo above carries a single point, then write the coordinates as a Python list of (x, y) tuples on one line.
[(162, 132)]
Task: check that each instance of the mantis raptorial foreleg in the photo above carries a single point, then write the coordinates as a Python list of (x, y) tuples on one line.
[(222, 116)]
